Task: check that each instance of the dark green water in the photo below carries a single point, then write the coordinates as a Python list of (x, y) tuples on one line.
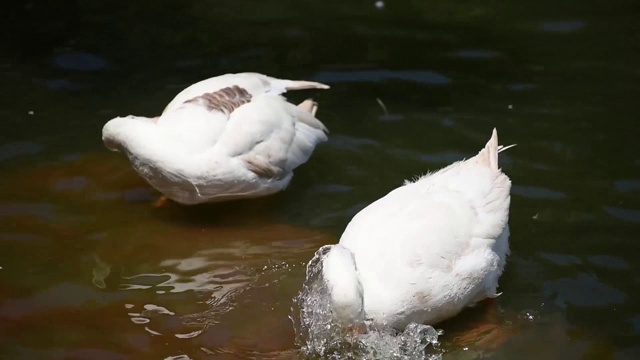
[(89, 270)]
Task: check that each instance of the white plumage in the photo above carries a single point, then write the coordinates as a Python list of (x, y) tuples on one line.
[(427, 249), (227, 137)]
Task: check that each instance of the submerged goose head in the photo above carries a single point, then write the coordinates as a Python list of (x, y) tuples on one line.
[(143, 142), (345, 290), (120, 133)]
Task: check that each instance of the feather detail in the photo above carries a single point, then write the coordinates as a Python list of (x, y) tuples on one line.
[(427, 249), (225, 100), (228, 137)]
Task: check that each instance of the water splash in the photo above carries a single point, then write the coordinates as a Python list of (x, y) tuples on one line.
[(319, 336)]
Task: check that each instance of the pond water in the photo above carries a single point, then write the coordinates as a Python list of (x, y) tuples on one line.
[(90, 270)]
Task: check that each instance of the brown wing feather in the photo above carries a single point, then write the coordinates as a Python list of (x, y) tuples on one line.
[(224, 100)]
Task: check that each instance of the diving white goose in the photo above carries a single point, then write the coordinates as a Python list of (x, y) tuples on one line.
[(227, 137), (427, 249)]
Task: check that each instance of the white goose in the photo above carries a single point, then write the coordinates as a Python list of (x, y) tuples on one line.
[(227, 137), (427, 249)]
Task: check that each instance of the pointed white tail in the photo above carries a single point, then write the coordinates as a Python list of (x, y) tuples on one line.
[(489, 155), (301, 85)]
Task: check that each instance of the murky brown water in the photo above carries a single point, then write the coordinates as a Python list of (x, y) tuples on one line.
[(103, 274), (90, 270)]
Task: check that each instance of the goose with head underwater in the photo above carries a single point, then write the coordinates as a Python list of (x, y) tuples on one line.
[(426, 250), (228, 137)]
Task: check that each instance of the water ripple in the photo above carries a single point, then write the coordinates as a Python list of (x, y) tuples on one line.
[(635, 322), (627, 215), (80, 62), (536, 192), (345, 142), (627, 185), (561, 259), (446, 157), (75, 183), (43, 211), (610, 262), (522, 86), (562, 26), (585, 291), (476, 54), (419, 76), (15, 149)]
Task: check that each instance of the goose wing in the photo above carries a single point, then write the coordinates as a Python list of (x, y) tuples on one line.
[(272, 136)]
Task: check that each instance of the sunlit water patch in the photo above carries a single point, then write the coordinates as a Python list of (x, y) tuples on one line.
[(319, 336)]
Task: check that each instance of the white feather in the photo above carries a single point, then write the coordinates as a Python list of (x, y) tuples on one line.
[(195, 152), (430, 248)]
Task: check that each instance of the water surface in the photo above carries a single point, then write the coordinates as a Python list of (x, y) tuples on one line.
[(90, 270)]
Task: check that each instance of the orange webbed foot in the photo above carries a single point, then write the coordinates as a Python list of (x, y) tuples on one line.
[(161, 202)]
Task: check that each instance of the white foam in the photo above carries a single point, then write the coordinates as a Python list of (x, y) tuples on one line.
[(319, 336)]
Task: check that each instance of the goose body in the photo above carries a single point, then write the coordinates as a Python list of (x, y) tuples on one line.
[(427, 249), (227, 137)]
